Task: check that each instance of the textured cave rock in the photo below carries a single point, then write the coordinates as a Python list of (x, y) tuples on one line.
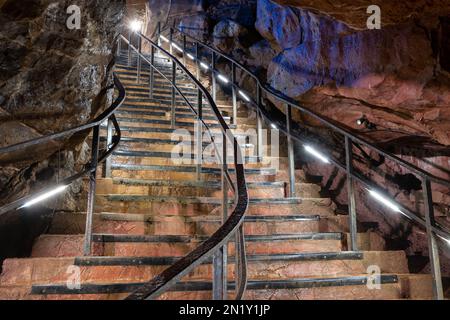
[(353, 12), (228, 34), (51, 79)]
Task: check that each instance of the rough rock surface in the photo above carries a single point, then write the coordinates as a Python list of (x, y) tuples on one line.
[(227, 35), (51, 78)]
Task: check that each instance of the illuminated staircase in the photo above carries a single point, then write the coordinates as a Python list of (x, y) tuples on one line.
[(151, 212)]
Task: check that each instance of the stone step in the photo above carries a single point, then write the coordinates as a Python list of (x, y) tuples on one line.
[(159, 82), (184, 188), (157, 224), (244, 116), (171, 205), (125, 161), (169, 245), (163, 123), (164, 114), (255, 289), (182, 158), (198, 188), (159, 113), (185, 172), (224, 106), (142, 148), (350, 288), (167, 133), (40, 271)]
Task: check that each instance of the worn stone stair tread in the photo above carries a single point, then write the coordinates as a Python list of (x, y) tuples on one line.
[(185, 239), (169, 131), (162, 154), (163, 141), (187, 168), (97, 288), (190, 183), (206, 200), (137, 217), (166, 122), (178, 115), (142, 261)]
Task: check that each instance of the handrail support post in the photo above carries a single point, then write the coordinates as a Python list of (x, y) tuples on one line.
[(171, 41), (233, 88), (351, 195), (173, 114), (213, 75), (152, 73), (91, 192), (129, 48), (433, 250), (108, 144), (259, 142), (290, 145), (184, 50), (139, 60), (220, 259), (198, 136)]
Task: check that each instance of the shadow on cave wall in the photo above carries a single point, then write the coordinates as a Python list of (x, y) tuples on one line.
[(19, 228)]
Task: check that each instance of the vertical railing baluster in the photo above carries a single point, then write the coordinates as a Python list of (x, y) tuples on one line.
[(237, 262), (171, 41), (152, 72), (352, 221), (198, 136), (108, 144), (139, 60), (220, 259), (197, 60), (91, 192), (174, 75), (158, 30), (213, 75), (129, 48), (290, 145), (234, 94), (259, 144), (433, 249), (184, 49)]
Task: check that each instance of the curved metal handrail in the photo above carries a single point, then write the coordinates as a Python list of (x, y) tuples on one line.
[(336, 127), (292, 132), (107, 114), (232, 226)]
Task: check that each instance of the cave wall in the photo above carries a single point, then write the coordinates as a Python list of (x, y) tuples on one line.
[(51, 78)]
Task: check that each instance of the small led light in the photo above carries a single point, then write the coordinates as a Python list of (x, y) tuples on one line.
[(444, 239), (164, 39), (316, 154), (177, 47), (136, 25), (273, 126), (44, 196), (243, 95), (190, 56), (223, 79), (387, 202), (204, 65)]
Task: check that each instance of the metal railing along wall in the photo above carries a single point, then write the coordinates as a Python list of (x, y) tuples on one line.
[(293, 132), (90, 169), (232, 224)]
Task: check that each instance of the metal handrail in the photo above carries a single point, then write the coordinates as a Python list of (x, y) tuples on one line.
[(292, 130), (216, 245), (91, 166)]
